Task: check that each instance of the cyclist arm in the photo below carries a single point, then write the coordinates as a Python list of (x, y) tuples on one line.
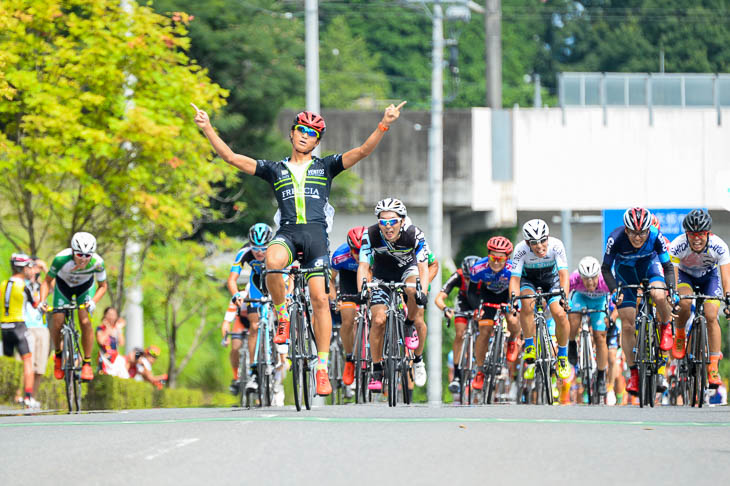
[(363, 272), (514, 285), (352, 157), (333, 287), (241, 162), (423, 275), (46, 286), (232, 283), (564, 276), (433, 269), (440, 297), (725, 277)]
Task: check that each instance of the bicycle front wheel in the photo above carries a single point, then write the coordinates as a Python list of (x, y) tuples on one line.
[(295, 357), (361, 363), (545, 359), (336, 367)]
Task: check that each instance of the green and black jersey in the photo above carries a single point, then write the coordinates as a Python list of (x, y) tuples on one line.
[(301, 191)]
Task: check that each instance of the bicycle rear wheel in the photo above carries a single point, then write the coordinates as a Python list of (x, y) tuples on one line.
[(642, 359), (391, 360), (698, 368), (361, 362), (494, 367), (587, 371), (77, 377), (308, 382), (336, 368)]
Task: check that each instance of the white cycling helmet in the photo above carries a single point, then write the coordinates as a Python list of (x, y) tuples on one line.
[(391, 204), (589, 267), (535, 230), (83, 242)]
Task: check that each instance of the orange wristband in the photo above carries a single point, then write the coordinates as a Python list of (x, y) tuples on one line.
[(383, 128)]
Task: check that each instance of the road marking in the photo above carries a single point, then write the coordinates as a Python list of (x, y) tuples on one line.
[(276, 418), (158, 451)]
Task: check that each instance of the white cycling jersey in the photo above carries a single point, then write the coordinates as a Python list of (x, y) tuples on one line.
[(698, 264), (526, 263), (63, 267)]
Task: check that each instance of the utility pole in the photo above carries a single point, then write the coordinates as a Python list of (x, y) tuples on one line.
[(311, 42), (493, 24), (133, 308), (435, 190)]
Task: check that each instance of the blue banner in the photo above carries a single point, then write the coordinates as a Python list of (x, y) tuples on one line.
[(669, 219)]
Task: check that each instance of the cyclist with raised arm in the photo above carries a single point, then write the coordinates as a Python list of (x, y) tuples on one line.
[(75, 271), (396, 254), (467, 300), (252, 254), (492, 274), (697, 254), (540, 261), (344, 264), (301, 184), (589, 291), (634, 252)]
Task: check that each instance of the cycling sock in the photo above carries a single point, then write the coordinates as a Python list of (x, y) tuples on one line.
[(281, 311), (235, 373), (681, 333), (28, 394), (562, 351), (715, 360), (457, 372), (409, 322), (322, 358), (417, 358), (601, 374), (378, 368), (349, 358), (58, 353), (87, 361), (529, 342)]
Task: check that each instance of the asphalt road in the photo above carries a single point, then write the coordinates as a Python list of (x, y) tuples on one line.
[(369, 444)]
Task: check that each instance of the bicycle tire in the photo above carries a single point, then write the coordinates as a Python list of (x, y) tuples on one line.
[(296, 366), (545, 357), (698, 372), (643, 358), (360, 362), (405, 373), (587, 371), (390, 360), (68, 370), (77, 376), (242, 376), (308, 381), (335, 373), (704, 361), (463, 399), (493, 358)]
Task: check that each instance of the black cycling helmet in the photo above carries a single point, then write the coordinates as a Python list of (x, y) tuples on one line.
[(467, 263), (696, 221)]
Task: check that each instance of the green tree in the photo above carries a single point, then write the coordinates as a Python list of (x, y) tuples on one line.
[(182, 301), (77, 151)]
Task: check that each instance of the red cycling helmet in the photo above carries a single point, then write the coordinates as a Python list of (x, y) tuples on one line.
[(655, 222), (499, 243), (354, 237), (312, 120), (637, 219)]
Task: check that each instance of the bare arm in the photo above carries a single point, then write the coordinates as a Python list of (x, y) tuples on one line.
[(352, 157), (440, 297), (103, 286), (333, 287), (433, 269), (423, 274), (514, 285), (363, 272), (232, 283), (241, 162), (725, 277), (564, 276)]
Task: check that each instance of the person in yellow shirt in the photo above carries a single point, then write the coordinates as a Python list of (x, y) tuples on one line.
[(15, 293)]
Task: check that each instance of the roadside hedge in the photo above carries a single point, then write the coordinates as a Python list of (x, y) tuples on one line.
[(106, 392)]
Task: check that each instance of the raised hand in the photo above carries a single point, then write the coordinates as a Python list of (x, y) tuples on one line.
[(392, 113), (201, 117)]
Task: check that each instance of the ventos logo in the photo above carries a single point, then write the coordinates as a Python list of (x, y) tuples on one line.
[(316, 172)]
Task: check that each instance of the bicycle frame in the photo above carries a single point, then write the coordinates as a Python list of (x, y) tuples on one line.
[(698, 354), (71, 355), (466, 355), (586, 363)]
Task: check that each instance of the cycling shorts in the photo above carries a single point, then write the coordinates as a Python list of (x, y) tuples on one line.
[(309, 239), (15, 335), (550, 284), (612, 336), (64, 294), (380, 295), (348, 285), (634, 274), (597, 319), (491, 298), (708, 284)]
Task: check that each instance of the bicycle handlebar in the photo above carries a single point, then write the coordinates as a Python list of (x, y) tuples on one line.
[(588, 311)]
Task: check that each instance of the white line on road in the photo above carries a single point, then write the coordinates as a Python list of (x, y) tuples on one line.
[(164, 450)]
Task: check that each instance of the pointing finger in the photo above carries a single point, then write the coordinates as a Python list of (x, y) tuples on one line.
[(193, 105), (401, 105)]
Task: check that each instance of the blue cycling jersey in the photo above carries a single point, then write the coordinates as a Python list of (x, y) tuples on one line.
[(494, 282), (620, 251), (245, 255), (342, 259)]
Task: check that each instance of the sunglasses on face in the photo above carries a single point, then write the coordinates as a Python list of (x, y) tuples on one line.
[(496, 258), (388, 222), (538, 242), (83, 255), (637, 234), (307, 131), (697, 235), (258, 248)]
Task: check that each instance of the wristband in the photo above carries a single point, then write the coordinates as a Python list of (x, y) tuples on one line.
[(383, 128)]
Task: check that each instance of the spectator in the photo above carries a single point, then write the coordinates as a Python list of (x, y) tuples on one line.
[(110, 338), (39, 339), (140, 366)]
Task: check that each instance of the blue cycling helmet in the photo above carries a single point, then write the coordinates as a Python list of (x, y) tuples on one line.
[(260, 234)]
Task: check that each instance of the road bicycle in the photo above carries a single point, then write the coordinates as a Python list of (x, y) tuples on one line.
[(586, 363), (71, 356)]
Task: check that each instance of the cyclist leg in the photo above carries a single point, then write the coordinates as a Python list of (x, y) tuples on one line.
[(576, 303), (253, 318), (87, 334), (279, 255), (527, 319), (376, 338), (322, 318)]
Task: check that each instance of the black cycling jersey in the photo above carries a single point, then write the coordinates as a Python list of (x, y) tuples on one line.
[(390, 259), (305, 201)]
